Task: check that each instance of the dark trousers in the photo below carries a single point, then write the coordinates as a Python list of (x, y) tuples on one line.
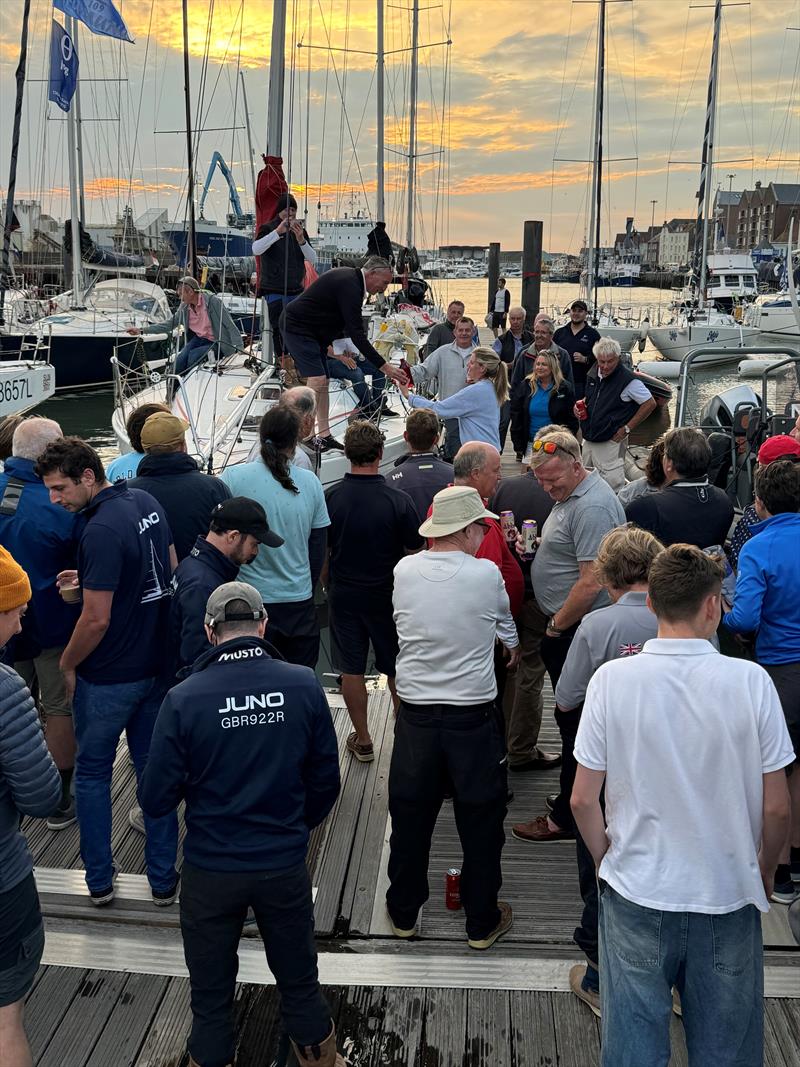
[(213, 909), (585, 935), (294, 630), (452, 440), (437, 746), (505, 422), (274, 311), (554, 652)]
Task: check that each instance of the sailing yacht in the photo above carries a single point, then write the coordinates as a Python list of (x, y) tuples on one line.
[(83, 338), (697, 321)]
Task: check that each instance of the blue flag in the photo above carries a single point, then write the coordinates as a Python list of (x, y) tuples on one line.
[(99, 15), (63, 67)]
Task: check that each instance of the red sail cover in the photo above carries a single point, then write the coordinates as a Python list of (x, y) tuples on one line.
[(270, 185)]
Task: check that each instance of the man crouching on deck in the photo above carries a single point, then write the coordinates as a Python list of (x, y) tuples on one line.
[(248, 742)]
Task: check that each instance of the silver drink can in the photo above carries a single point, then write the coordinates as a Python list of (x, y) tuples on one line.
[(508, 525), (529, 534)]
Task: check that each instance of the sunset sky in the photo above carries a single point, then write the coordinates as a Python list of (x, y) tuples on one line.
[(509, 143)]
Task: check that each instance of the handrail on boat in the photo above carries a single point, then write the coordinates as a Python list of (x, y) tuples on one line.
[(792, 357)]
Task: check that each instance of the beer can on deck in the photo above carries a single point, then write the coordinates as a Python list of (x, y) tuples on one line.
[(452, 889), (529, 533), (508, 525)]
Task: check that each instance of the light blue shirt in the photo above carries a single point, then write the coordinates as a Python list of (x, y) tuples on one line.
[(282, 575), (475, 407), (124, 467)]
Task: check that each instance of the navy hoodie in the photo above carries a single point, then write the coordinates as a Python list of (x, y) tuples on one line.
[(248, 742), (187, 495), (197, 576)]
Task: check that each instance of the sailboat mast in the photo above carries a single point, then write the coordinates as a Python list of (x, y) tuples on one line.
[(79, 134), (5, 264), (74, 205), (593, 238), (277, 71), (249, 135), (412, 123), (707, 162), (191, 237), (380, 205), (277, 65)]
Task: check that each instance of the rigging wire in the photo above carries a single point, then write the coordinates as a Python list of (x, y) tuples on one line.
[(345, 115)]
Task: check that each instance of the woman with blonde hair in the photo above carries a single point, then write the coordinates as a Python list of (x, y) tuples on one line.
[(543, 397), (477, 405)]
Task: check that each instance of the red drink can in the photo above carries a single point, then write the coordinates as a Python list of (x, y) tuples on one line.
[(580, 407), (452, 889), (404, 367), (508, 525)]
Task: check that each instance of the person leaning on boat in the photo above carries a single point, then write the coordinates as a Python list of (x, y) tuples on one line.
[(206, 323), (477, 406), (616, 402), (541, 399), (328, 309)]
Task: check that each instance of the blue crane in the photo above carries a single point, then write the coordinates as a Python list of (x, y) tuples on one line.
[(236, 204)]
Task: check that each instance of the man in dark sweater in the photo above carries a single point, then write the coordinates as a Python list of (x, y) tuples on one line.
[(238, 527), (248, 743), (687, 510), (616, 402), (443, 332), (578, 338), (372, 527), (331, 308), (420, 474), (283, 249), (187, 495)]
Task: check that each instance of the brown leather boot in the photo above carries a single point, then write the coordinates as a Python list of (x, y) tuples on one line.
[(322, 1055)]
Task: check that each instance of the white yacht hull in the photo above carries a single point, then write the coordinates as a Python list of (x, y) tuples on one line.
[(224, 411), (675, 342), (24, 385)]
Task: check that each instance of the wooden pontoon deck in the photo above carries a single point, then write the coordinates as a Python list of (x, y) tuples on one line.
[(112, 990)]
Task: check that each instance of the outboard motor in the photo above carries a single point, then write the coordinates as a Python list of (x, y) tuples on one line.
[(721, 410)]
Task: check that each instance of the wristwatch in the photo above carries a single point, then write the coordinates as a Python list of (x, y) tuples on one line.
[(552, 628), (627, 429)]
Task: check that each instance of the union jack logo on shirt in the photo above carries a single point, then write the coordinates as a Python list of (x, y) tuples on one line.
[(629, 650)]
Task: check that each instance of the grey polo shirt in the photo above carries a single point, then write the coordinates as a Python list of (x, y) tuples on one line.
[(570, 536), (610, 633)]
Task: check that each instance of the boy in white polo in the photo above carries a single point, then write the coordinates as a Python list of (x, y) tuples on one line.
[(691, 746)]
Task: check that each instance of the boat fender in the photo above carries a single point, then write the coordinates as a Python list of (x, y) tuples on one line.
[(754, 368), (660, 368)]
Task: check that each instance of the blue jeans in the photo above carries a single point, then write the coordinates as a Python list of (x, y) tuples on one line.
[(101, 713), (337, 370), (192, 353), (715, 962)]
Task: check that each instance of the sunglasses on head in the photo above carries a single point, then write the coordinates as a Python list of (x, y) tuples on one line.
[(550, 448)]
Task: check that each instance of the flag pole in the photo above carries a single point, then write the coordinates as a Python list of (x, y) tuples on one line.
[(5, 265)]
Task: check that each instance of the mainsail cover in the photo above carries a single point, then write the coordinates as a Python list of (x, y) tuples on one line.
[(270, 186)]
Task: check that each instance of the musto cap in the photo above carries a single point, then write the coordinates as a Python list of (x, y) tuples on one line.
[(218, 604), (248, 517)]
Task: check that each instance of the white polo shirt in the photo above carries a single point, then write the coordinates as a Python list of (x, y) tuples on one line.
[(684, 736)]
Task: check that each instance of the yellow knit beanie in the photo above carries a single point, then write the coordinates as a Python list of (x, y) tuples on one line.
[(15, 589)]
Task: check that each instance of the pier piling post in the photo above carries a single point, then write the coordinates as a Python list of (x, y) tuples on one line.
[(531, 269), (494, 271)]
